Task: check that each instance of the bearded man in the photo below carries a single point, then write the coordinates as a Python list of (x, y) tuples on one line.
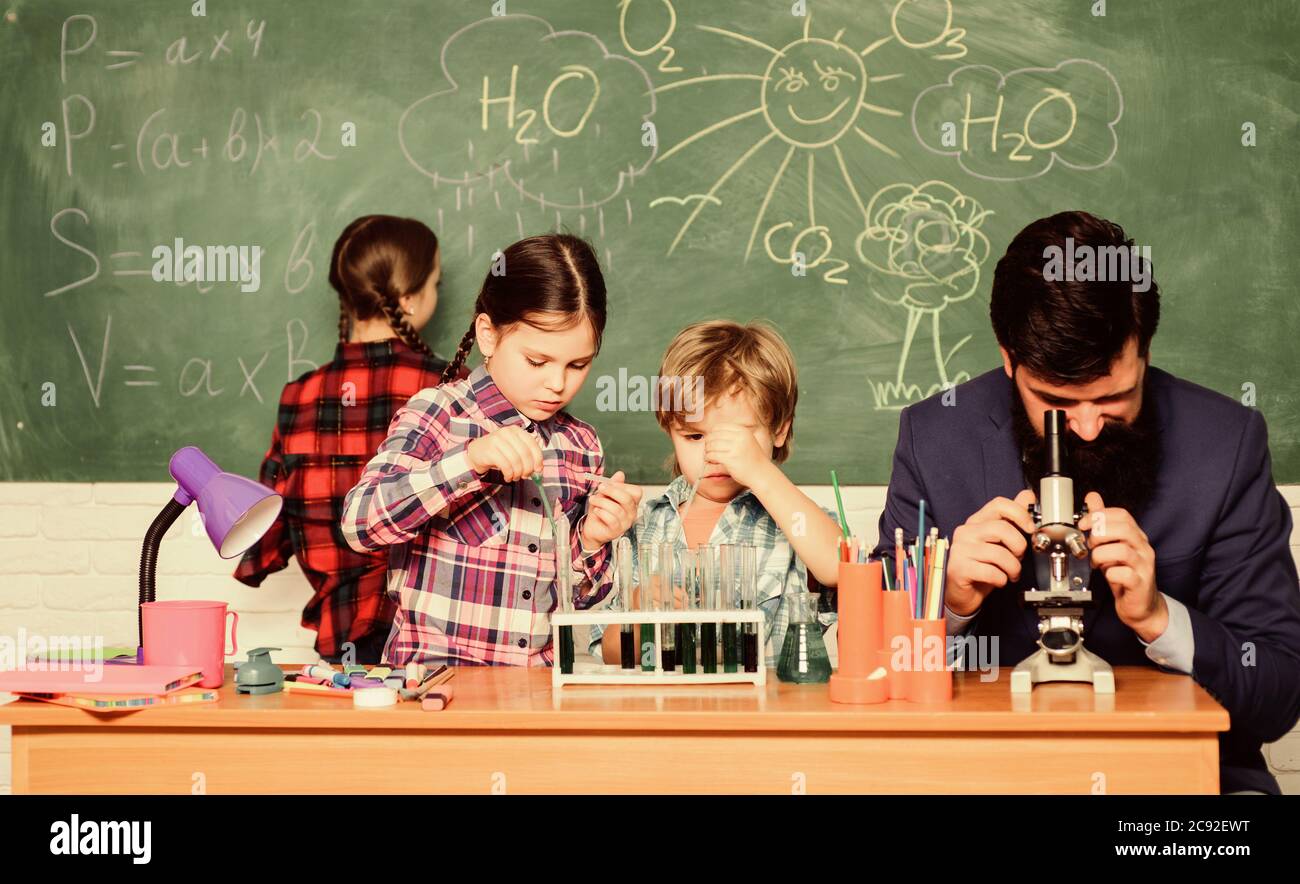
[(1192, 571)]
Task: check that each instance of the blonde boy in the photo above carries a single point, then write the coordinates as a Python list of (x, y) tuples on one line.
[(732, 446)]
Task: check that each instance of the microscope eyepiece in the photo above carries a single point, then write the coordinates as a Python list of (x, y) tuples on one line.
[(1054, 442)]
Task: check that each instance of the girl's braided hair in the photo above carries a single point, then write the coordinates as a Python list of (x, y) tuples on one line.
[(376, 260)]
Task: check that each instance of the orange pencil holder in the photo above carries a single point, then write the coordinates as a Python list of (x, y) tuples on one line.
[(859, 678), (895, 653), (929, 679)]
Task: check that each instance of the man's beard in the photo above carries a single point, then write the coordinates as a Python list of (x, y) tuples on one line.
[(1121, 464)]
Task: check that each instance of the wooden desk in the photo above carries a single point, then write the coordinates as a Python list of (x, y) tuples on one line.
[(506, 730)]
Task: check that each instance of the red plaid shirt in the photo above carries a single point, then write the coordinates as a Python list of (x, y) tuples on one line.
[(325, 433)]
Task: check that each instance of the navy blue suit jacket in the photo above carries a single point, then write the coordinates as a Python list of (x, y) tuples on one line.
[(1219, 527)]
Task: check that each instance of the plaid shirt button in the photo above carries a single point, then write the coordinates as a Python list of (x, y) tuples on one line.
[(532, 547), (523, 643), (528, 594)]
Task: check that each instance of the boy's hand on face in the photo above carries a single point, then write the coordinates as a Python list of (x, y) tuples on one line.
[(512, 450), (737, 451), (611, 511)]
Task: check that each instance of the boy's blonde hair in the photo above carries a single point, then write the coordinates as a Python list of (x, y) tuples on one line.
[(713, 359)]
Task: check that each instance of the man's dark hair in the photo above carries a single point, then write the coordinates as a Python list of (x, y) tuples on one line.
[(1068, 332)]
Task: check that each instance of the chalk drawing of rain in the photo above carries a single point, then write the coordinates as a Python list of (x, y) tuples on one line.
[(923, 248), (816, 98), (549, 112)]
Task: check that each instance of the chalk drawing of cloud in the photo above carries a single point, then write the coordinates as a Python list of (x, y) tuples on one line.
[(1009, 127), (552, 113)]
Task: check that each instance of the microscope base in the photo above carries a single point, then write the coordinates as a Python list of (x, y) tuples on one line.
[(1086, 666)]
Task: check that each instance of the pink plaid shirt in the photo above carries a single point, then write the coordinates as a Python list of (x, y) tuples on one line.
[(471, 560)]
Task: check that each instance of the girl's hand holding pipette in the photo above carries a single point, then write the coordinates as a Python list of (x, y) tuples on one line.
[(611, 511), (516, 453)]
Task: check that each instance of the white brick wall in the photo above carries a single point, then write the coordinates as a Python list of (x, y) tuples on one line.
[(69, 567)]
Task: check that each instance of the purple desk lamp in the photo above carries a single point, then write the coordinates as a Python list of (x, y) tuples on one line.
[(236, 512)]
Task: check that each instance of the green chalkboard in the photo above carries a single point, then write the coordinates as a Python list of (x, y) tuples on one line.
[(851, 173)]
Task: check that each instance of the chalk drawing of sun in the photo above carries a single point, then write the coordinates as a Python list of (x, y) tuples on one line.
[(813, 96)]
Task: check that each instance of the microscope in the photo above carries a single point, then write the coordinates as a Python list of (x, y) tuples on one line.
[(1061, 571)]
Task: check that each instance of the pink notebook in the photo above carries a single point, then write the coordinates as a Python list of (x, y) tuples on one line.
[(139, 679)]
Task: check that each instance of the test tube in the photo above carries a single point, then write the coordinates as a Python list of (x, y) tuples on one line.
[(667, 602), (728, 567), (647, 565), (708, 583), (564, 590), (690, 602), (623, 571), (749, 602)]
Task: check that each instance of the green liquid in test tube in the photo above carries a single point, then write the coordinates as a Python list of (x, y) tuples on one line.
[(564, 589), (626, 636), (646, 561), (690, 602), (749, 602), (708, 590), (728, 584), (667, 601)]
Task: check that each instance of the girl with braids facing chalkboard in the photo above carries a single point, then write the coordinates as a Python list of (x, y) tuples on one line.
[(333, 419), (448, 495)]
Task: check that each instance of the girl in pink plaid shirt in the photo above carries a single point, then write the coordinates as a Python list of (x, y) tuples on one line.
[(471, 558)]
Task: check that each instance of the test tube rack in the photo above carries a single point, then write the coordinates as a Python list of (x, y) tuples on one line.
[(615, 674)]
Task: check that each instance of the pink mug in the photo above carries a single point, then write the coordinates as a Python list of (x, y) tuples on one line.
[(184, 633)]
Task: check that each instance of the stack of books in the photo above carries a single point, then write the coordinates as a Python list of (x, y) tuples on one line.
[(105, 686)]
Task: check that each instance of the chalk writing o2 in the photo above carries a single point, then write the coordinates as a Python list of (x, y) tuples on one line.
[(669, 52)]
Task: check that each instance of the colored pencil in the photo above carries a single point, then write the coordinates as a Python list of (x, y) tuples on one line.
[(935, 591), (839, 505), (921, 527), (898, 560)]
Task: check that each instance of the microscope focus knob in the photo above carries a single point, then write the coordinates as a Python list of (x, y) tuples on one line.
[(1077, 546)]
